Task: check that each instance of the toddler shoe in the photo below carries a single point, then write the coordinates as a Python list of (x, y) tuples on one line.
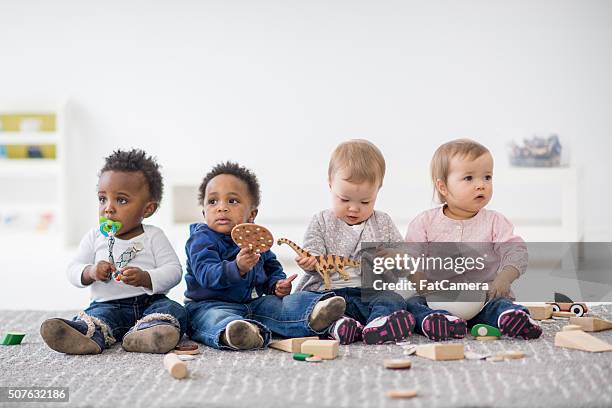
[(152, 336), (242, 335), (346, 330), (392, 328), (517, 323), (72, 336), (438, 326), (325, 312)]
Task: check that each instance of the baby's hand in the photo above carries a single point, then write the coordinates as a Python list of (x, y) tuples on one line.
[(500, 287), (134, 276), (307, 263), (283, 286), (101, 271), (246, 260)]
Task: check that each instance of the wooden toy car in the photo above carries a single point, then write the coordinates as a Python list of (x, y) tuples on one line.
[(563, 303)]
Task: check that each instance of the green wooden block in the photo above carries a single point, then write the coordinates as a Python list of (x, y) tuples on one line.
[(12, 338), (301, 356), (481, 330)]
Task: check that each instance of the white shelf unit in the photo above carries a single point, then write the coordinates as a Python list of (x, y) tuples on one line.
[(33, 188)]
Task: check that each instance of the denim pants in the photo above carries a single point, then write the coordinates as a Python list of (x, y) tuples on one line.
[(287, 316), (417, 305), (366, 305), (121, 314)]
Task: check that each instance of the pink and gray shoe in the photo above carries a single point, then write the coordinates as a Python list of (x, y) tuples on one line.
[(346, 330), (438, 326), (517, 323), (392, 328)]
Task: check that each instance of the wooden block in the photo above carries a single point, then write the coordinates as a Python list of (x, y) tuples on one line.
[(326, 349), (12, 338), (487, 338), (441, 352), (187, 348), (484, 330), (401, 394), (563, 314), (397, 363), (511, 354), (174, 365), (570, 327), (293, 345), (591, 324), (579, 340), (540, 312)]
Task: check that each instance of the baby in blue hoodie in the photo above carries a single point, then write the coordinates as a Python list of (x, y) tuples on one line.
[(221, 277)]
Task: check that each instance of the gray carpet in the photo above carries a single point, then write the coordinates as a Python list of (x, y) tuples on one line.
[(548, 376)]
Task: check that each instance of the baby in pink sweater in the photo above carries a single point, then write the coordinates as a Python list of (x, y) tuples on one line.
[(462, 174)]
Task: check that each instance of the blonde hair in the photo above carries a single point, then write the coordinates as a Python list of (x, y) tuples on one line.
[(360, 159), (440, 162)]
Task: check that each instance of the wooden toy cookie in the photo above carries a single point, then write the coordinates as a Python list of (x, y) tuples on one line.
[(253, 236)]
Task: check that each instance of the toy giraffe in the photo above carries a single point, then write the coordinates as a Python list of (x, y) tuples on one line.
[(326, 264)]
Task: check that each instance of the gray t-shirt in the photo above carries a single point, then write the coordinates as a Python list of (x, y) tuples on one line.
[(327, 235)]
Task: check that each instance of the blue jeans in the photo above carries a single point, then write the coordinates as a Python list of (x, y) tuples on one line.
[(366, 305), (121, 314), (417, 305), (287, 316)]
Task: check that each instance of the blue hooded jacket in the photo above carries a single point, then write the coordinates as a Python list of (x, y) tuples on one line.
[(212, 271)]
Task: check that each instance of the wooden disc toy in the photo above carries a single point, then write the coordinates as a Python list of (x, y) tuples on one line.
[(397, 363), (187, 348), (259, 239), (401, 394)]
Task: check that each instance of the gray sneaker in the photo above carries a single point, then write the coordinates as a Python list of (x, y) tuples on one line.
[(325, 312), (242, 335)]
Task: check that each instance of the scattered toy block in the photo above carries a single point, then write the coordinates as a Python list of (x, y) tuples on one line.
[(326, 349), (591, 324), (301, 356), (511, 354), (397, 363), (565, 315), (12, 338), (174, 365), (579, 340), (441, 352), (484, 330), (395, 394), (293, 345), (540, 312), (487, 338), (570, 327)]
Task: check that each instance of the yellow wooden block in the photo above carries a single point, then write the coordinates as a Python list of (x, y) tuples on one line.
[(570, 327), (579, 340), (441, 352), (326, 349), (293, 345), (540, 312), (591, 324)]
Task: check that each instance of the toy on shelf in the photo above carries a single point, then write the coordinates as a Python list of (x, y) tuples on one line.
[(536, 152), (12, 338), (326, 264), (563, 303), (257, 238)]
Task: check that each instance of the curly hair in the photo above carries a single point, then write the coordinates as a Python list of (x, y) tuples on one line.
[(236, 170), (137, 160)]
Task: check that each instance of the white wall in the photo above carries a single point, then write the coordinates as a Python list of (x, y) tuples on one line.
[(276, 85)]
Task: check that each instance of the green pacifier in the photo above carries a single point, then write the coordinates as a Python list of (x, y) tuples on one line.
[(109, 227)]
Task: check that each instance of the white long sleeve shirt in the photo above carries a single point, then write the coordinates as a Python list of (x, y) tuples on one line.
[(157, 258)]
